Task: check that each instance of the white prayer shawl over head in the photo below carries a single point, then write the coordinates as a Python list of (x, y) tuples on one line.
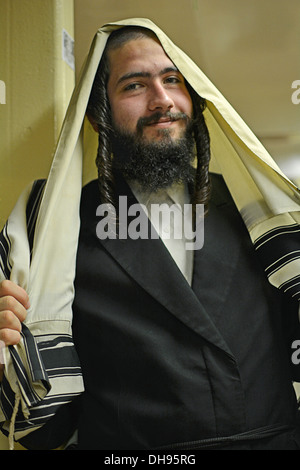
[(43, 372)]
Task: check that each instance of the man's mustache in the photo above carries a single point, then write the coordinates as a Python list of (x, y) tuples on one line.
[(156, 117)]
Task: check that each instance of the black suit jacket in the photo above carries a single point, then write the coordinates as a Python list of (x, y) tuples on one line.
[(166, 364)]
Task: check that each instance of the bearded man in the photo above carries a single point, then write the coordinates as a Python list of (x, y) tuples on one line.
[(178, 349)]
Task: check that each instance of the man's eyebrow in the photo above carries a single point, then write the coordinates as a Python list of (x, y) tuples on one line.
[(128, 76)]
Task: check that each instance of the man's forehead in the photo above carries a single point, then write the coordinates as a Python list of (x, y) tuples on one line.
[(138, 55)]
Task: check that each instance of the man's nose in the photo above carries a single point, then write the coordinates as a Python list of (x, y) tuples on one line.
[(159, 99)]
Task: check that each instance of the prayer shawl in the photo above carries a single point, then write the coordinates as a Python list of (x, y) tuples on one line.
[(43, 372)]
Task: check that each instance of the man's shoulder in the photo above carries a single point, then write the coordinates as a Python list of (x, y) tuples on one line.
[(90, 193), (220, 194)]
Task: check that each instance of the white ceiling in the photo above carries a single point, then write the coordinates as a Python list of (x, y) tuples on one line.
[(249, 49)]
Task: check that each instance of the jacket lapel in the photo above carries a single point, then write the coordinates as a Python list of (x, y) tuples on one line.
[(215, 263), (149, 263)]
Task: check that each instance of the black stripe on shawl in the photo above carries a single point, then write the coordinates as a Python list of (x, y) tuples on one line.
[(276, 249), (51, 357), (5, 247), (32, 209)]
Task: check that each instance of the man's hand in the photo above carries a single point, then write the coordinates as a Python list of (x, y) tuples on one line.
[(14, 303)]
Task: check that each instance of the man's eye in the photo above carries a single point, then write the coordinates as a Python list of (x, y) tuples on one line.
[(132, 86), (172, 80)]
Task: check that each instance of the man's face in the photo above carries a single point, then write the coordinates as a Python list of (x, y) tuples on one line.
[(143, 82)]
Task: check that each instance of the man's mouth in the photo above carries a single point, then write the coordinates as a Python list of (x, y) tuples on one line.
[(159, 120), (162, 122)]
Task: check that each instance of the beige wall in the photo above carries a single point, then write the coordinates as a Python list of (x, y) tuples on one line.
[(38, 85)]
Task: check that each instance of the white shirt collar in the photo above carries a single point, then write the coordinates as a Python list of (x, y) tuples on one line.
[(176, 194)]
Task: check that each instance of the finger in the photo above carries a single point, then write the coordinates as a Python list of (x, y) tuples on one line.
[(9, 288), (9, 337), (8, 320), (10, 304)]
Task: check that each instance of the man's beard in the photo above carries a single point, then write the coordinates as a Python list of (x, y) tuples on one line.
[(155, 164)]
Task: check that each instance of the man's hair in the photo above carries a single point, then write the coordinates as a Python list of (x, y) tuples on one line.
[(99, 113)]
